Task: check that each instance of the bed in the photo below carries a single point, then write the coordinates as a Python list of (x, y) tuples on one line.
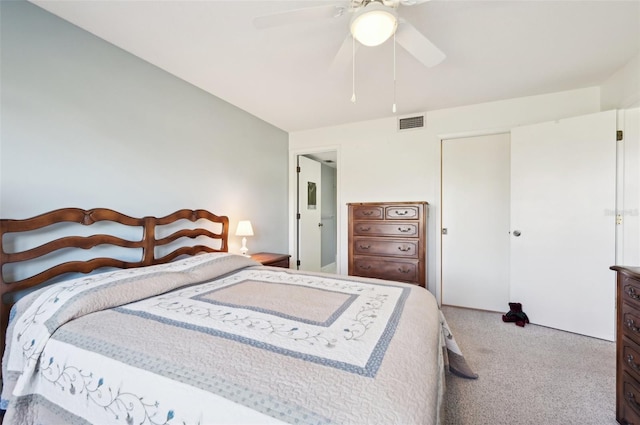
[(187, 333)]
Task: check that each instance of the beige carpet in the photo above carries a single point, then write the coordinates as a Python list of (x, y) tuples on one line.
[(532, 375)]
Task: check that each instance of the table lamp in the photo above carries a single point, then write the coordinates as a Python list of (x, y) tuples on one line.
[(244, 229)]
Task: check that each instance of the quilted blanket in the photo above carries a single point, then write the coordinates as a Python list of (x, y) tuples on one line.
[(217, 338)]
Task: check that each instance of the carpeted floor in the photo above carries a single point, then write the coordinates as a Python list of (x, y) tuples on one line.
[(532, 375)]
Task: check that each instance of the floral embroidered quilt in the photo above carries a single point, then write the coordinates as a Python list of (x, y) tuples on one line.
[(217, 338)]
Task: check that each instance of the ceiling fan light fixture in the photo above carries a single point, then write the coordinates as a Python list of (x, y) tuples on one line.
[(374, 24)]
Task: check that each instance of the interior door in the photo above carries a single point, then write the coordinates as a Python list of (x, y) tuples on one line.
[(475, 221), (309, 210), (563, 180)]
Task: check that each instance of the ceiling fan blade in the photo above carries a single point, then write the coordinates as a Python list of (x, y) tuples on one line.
[(343, 59), (412, 2), (418, 45), (298, 15)]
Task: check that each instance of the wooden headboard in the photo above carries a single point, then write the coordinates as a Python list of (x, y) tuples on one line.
[(147, 244)]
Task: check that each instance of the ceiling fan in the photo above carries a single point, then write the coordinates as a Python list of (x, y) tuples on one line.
[(372, 23)]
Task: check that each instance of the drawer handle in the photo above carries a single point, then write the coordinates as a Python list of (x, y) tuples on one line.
[(633, 364), (367, 267), (367, 212), (364, 247), (631, 398), (404, 248), (631, 292), (365, 229), (632, 326), (405, 271), (402, 212), (405, 230)]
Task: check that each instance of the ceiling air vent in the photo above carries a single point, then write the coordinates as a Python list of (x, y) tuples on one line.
[(411, 122)]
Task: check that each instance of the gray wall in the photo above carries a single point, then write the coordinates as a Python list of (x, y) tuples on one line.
[(85, 124)]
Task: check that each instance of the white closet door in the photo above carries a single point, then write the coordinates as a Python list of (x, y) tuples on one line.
[(475, 213), (563, 180)]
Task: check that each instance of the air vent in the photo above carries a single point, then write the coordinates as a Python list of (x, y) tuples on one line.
[(411, 122)]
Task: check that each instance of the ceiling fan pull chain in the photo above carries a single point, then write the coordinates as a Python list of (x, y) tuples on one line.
[(353, 69), (393, 109)]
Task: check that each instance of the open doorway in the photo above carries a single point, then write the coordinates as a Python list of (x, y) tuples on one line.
[(316, 212)]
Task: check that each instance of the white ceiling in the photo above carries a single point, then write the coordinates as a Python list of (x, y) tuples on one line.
[(495, 50)]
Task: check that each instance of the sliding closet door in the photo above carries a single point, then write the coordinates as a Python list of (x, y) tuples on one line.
[(563, 180), (475, 214)]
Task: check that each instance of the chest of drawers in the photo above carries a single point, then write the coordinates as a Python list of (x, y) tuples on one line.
[(387, 240), (628, 345)]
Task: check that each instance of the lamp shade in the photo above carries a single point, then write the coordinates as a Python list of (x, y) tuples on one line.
[(374, 24), (244, 228)]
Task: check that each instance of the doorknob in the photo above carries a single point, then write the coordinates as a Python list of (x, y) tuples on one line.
[(516, 233), (319, 224)]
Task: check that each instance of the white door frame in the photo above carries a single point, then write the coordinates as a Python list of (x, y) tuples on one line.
[(293, 197)]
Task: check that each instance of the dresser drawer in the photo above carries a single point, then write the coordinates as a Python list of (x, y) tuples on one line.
[(272, 259), (631, 290), (631, 358), (629, 406), (282, 263), (402, 212), (630, 325), (387, 247), (407, 230), (403, 271), (367, 212)]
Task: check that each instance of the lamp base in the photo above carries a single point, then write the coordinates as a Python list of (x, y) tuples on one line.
[(244, 249)]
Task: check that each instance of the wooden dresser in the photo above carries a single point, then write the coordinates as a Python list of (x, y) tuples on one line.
[(388, 240), (628, 345)]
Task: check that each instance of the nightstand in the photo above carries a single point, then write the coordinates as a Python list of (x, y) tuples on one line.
[(272, 259)]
